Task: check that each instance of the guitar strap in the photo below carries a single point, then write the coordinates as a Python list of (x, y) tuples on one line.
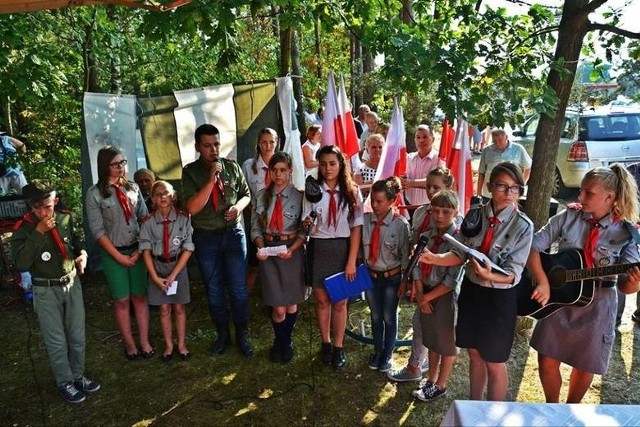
[(633, 231)]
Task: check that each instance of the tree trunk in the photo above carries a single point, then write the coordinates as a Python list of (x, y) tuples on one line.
[(90, 64), (115, 72), (296, 70), (367, 68), (572, 30), (316, 35), (285, 51), (356, 73)]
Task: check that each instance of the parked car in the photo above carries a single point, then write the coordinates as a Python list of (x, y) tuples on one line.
[(589, 138)]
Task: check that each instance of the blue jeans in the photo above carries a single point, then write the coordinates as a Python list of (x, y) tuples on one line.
[(383, 303), (222, 257)]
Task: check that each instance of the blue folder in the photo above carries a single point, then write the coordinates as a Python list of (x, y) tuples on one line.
[(339, 288)]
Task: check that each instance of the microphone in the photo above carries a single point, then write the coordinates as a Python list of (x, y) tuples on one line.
[(313, 216), (217, 166), (422, 243), (312, 190), (313, 194)]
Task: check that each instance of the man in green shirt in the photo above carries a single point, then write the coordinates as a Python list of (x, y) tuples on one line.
[(216, 192)]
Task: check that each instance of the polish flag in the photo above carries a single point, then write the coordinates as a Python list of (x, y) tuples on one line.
[(351, 143), (393, 160), (337, 124), (459, 162), (446, 141)]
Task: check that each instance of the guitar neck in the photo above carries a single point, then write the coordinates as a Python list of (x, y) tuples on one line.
[(595, 272)]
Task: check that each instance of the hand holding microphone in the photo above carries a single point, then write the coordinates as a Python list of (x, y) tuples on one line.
[(216, 168), (313, 194)]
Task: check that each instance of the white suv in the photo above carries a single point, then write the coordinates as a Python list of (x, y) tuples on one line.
[(590, 138)]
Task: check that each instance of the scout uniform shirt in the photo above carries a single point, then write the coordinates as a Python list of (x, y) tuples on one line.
[(342, 229), (105, 215), (394, 241), (195, 175), (256, 181), (291, 200), (180, 234), (569, 229), (448, 276), (39, 253), (509, 247)]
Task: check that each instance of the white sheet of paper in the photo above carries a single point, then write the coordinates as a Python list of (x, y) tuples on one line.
[(272, 250), (173, 288)]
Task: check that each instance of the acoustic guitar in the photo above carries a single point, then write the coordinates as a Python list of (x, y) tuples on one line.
[(571, 283)]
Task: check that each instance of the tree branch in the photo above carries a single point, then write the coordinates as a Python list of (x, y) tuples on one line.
[(592, 6), (592, 26)]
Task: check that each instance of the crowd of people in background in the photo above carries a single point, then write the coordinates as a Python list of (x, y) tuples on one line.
[(146, 235)]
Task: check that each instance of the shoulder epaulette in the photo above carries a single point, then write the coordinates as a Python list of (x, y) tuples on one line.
[(146, 218)]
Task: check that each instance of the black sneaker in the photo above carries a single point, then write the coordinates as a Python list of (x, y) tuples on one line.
[(430, 393), (326, 353), (71, 394), (374, 361), (385, 365), (339, 359), (86, 384)]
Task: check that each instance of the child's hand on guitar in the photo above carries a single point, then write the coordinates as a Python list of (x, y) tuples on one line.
[(541, 292)]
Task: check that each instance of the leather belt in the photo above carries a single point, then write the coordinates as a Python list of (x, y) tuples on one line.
[(60, 281), (385, 274), (161, 258), (128, 247), (605, 283), (279, 237)]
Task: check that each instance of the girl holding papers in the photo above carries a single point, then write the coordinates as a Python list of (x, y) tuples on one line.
[(275, 230), (487, 305)]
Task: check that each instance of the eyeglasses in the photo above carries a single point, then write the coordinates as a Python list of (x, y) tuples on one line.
[(503, 188), (120, 164)]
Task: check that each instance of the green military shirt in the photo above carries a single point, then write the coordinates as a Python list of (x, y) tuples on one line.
[(195, 176), (39, 253)]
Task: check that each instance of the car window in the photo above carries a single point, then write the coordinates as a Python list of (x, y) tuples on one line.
[(531, 126), (618, 127), (569, 127)]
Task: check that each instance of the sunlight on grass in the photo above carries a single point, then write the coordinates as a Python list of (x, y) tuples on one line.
[(528, 390), (626, 344), (226, 380), (403, 418), (386, 394), (250, 407), (144, 423), (266, 394)]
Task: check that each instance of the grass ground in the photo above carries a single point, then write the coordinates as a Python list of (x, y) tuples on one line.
[(231, 390)]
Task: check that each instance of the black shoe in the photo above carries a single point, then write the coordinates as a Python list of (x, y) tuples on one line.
[(274, 354), (221, 343), (339, 359), (244, 343), (374, 361), (132, 356), (326, 353), (287, 353)]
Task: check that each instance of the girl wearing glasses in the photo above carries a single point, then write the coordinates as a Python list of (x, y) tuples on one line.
[(487, 305), (115, 207)]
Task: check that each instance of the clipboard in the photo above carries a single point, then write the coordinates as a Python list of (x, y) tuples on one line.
[(477, 255), (339, 288)]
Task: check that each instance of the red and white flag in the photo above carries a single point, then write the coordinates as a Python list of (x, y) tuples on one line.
[(459, 162), (446, 141), (337, 123), (393, 160)]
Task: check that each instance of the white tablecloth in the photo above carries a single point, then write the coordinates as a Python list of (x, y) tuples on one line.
[(480, 413)]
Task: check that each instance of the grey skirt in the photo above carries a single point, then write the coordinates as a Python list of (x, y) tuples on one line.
[(325, 257), (439, 327), (581, 337), (282, 280), (157, 296)]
